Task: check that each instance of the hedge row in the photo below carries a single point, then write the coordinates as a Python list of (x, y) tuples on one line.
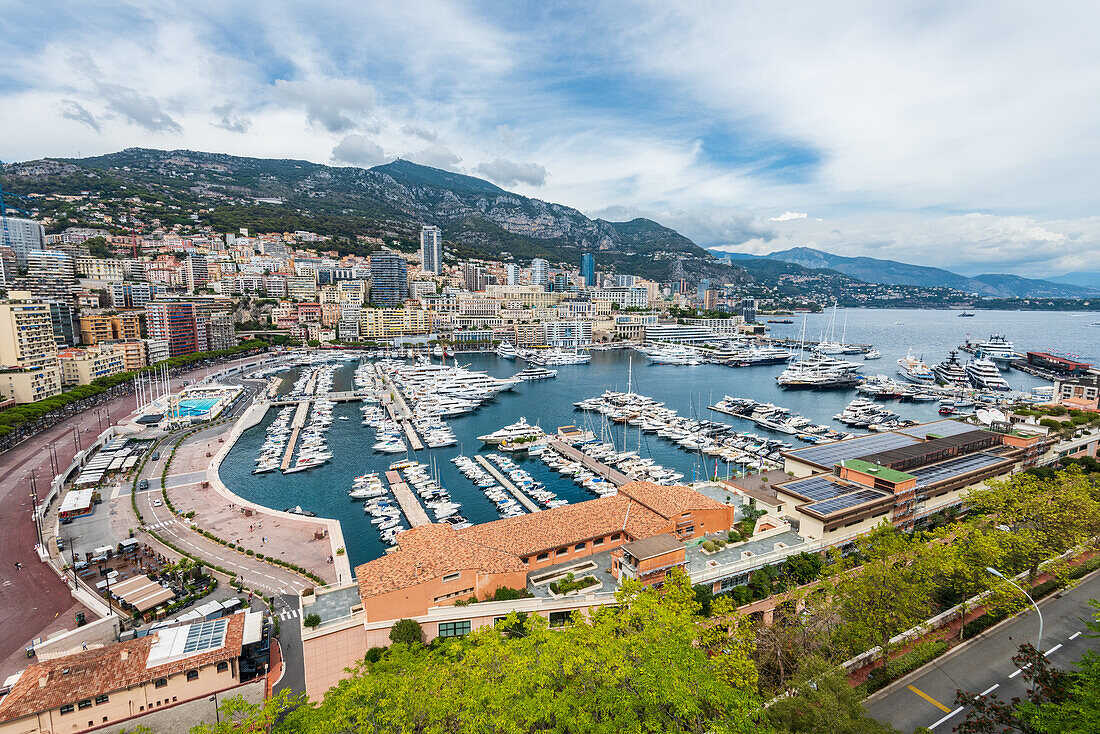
[(260, 556), (902, 665)]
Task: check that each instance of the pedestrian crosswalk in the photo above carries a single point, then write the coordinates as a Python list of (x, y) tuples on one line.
[(162, 524), (288, 614)]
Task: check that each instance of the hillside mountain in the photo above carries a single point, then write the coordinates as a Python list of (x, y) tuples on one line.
[(892, 272), (1079, 277), (394, 199)]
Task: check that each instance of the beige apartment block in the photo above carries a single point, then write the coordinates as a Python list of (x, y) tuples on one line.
[(28, 352)]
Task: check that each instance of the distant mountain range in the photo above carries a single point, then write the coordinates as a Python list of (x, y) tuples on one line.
[(892, 272), (394, 199)]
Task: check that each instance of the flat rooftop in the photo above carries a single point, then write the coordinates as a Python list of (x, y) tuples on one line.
[(952, 468), (830, 454), (597, 564), (698, 562)]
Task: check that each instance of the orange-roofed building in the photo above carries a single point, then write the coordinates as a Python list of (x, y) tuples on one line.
[(165, 681)]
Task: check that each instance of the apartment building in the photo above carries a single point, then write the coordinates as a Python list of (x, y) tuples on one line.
[(66, 325), (156, 350), (385, 323), (568, 334), (1079, 392), (130, 294), (98, 328), (301, 287), (633, 297), (23, 236), (82, 366), (50, 275), (28, 350), (165, 681), (220, 331), (133, 352), (528, 295), (176, 323), (431, 249), (389, 278)]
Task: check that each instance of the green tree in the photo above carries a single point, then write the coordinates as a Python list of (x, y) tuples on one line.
[(888, 594), (236, 715), (1044, 516), (823, 701), (645, 665), (312, 620), (407, 631)]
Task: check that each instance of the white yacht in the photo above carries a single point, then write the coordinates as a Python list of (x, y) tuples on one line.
[(519, 429), (984, 375), (996, 348), (536, 373), (507, 351), (914, 370), (873, 354)]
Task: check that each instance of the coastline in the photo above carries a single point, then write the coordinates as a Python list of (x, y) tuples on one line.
[(250, 418)]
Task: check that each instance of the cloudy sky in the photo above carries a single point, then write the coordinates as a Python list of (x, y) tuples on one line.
[(962, 135)]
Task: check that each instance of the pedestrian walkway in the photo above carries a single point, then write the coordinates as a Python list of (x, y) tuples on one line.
[(288, 614)]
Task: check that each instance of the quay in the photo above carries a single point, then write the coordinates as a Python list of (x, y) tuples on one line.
[(614, 476), (410, 433), (414, 512), (497, 475), (346, 396), (297, 423)]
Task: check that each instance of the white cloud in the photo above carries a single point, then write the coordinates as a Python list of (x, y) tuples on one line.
[(358, 150), (337, 105), (436, 156), (510, 173), (787, 216)]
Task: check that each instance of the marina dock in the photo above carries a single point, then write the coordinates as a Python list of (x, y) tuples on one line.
[(414, 512), (296, 423), (410, 433), (524, 500), (399, 411), (612, 475)]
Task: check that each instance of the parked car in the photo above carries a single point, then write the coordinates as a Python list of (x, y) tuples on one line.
[(157, 503)]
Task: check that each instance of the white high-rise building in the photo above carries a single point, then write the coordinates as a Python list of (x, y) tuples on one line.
[(431, 249), (512, 270), (22, 236), (540, 271)]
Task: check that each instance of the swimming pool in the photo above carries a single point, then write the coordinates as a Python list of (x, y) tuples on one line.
[(196, 406)]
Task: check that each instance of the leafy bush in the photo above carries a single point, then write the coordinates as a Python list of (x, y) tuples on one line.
[(312, 620), (905, 664), (709, 546), (569, 584), (375, 654), (407, 631)]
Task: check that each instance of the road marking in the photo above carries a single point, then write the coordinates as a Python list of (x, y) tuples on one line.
[(1016, 673), (989, 690), (945, 718), (1075, 635), (1054, 649), (928, 698)]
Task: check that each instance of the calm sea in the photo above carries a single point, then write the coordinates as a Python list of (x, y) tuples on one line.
[(929, 334)]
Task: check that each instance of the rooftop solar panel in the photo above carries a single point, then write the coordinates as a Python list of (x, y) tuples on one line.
[(844, 501), (205, 636), (833, 453), (954, 467), (816, 488), (940, 428)]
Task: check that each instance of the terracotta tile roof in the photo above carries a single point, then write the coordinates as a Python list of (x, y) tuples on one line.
[(539, 531), (103, 670), (669, 501), (427, 552), (641, 509)]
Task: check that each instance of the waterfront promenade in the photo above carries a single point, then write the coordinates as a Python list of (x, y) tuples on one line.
[(612, 475)]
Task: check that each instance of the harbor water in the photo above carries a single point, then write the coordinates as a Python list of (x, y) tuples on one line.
[(687, 389)]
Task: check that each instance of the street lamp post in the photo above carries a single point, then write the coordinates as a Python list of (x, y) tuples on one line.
[(998, 574), (34, 507)]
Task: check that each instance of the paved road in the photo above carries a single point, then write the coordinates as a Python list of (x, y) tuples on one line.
[(290, 638), (985, 665), (32, 599)]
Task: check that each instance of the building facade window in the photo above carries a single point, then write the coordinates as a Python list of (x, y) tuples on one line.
[(580, 546), (561, 551), (560, 619), (452, 576), (192, 675), (160, 683), (542, 556), (223, 666), (102, 698), (454, 629), (597, 541), (84, 704), (66, 709)]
